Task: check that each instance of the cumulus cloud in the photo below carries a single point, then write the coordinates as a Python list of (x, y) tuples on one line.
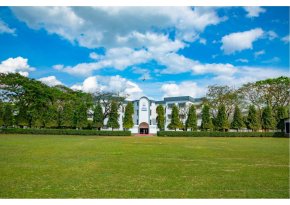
[(94, 27), (50, 81), (16, 65), (110, 84), (185, 88), (239, 41), (254, 11), (4, 28)]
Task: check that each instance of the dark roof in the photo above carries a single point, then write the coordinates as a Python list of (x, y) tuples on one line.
[(182, 98)]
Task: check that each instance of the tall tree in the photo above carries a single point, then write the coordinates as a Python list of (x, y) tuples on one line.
[(268, 120), (113, 116), (1, 114), (222, 95), (128, 118), (175, 121), (8, 115), (191, 121), (253, 119), (280, 117), (98, 118), (80, 116), (206, 122), (238, 121), (66, 116), (160, 117), (221, 121)]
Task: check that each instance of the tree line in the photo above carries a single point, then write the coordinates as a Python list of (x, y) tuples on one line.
[(259, 105), (27, 102)]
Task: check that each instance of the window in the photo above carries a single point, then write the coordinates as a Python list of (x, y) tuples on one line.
[(169, 116), (181, 105), (170, 105)]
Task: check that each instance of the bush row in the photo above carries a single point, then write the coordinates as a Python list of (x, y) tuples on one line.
[(219, 134), (64, 132)]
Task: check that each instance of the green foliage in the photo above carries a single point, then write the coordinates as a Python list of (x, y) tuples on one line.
[(219, 134), (268, 120), (238, 121), (113, 116), (253, 119), (160, 117), (66, 116), (280, 117), (80, 116), (8, 115), (98, 118), (191, 121), (206, 121), (221, 121), (175, 121), (1, 113), (128, 118), (64, 132)]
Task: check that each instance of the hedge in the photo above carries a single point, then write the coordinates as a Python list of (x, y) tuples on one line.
[(219, 134), (63, 132)]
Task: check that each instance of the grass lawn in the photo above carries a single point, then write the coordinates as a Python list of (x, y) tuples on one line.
[(41, 166)]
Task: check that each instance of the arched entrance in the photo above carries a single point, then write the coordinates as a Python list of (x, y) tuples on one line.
[(143, 128)]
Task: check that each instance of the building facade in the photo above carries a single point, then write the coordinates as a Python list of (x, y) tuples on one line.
[(144, 117)]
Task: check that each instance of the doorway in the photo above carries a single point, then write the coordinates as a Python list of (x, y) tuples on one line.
[(144, 128)]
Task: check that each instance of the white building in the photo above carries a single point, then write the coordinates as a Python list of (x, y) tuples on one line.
[(145, 112)]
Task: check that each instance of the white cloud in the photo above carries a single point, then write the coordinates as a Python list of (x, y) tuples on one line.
[(145, 73), (254, 11), (110, 84), (58, 67), (271, 35), (50, 81), (272, 60), (94, 27), (258, 53), (241, 40), (95, 56), (202, 41), (185, 88), (16, 65), (4, 28), (243, 60), (286, 39), (247, 74)]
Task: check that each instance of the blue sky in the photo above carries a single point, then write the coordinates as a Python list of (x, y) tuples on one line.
[(178, 50)]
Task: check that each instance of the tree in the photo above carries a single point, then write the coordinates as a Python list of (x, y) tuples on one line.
[(8, 115), (106, 99), (238, 121), (221, 121), (175, 121), (160, 117), (66, 116), (268, 121), (80, 116), (191, 121), (128, 119), (252, 119), (206, 122), (280, 117), (1, 114), (113, 116), (98, 117), (222, 95)]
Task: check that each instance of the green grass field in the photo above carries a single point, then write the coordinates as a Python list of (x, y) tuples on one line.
[(41, 166)]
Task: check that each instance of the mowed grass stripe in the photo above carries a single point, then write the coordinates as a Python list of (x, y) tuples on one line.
[(42, 166)]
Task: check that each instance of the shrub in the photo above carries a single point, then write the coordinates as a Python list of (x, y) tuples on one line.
[(64, 132), (219, 134)]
